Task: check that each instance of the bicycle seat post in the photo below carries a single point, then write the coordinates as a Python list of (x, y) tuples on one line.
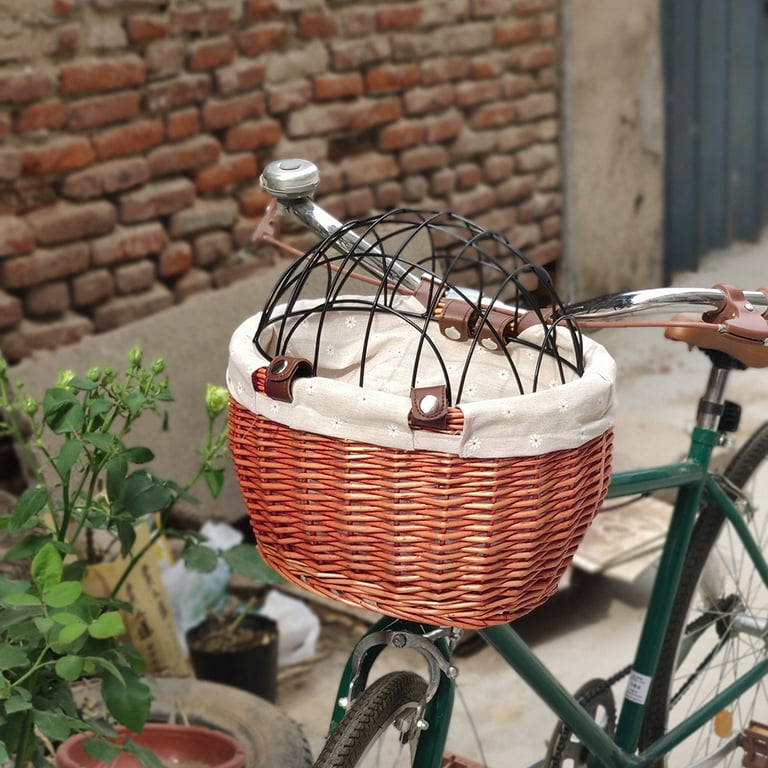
[(712, 402)]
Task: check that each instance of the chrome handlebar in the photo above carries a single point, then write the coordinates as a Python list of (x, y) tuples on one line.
[(659, 299), (293, 181)]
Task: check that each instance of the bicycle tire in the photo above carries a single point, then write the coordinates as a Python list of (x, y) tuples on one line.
[(703, 608), (369, 719)]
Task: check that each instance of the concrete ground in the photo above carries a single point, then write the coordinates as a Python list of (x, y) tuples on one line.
[(587, 630)]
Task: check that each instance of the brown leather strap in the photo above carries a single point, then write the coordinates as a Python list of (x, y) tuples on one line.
[(493, 331), (281, 373), (457, 320), (429, 407)]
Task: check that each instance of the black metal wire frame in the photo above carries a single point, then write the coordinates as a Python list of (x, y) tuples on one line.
[(393, 245)]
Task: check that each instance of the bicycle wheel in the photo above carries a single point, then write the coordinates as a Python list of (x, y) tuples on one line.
[(719, 621), (380, 728)]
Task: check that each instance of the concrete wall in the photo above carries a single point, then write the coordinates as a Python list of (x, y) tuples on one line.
[(133, 133), (613, 145)]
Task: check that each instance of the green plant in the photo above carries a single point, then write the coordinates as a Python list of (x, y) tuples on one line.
[(89, 482)]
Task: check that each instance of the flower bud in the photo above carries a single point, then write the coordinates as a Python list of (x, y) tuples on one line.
[(158, 366), (216, 400), (94, 373), (65, 376), (30, 406), (134, 356)]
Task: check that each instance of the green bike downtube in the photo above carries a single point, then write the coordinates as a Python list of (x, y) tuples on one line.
[(662, 596)]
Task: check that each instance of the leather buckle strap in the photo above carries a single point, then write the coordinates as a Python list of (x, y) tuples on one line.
[(280, 375), (429, 407)]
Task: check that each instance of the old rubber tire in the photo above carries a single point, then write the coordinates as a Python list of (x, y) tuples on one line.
[(270, 738)]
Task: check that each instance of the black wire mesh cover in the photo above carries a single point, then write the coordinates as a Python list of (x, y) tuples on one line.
[(448, 254), (414, 302)]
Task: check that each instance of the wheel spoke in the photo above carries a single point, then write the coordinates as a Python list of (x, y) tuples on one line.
[(719, 628)]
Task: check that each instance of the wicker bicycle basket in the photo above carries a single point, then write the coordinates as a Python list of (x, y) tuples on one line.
[(433, 453)]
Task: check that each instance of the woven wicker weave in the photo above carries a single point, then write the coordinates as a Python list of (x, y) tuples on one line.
[(416, 535)]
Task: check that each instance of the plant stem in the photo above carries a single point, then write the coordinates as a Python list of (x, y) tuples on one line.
[(26, 742), (243, 613), (134, 559)]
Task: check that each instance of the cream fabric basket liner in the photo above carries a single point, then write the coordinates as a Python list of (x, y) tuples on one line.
[(498, 420)]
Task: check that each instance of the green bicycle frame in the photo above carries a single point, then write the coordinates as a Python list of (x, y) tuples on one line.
[(692, 478)]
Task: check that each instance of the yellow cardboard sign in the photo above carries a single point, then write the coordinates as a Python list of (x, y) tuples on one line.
[(150, 628)]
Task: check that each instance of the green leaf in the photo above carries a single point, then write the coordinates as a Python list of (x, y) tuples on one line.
[(64, 618), (86, 385), (28, 508), (59, 697), (144, 494), (12, 656), (47, 567), (147, 757), (55, 725), (21, 599), (138, 455), (63, 412), (44, 624), (214, 479), (126, 534), (99, 406), (100, 727), (245, 560), (64, 594), (9, 586), (17, 704), (17, 617), (69, 668), (117, 469), (129, 701), (27, 546), (72, 632), (109, 624), (99, 662), (135, 403), (103, 751), (92, 663), (68, 455), (101, 440), (200, 558)]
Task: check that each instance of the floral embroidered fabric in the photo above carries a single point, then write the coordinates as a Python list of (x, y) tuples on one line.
[(520, 402)]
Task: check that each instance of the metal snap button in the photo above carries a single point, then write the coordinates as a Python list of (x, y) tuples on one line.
[(429, 405), (278, 366)]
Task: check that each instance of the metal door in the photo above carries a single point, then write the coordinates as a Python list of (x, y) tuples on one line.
[(715, 145)]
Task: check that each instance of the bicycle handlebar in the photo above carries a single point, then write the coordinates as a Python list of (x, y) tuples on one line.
[(731, 311), (660, 299)]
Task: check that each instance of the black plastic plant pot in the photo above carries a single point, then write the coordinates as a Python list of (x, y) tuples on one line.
[(243, 656)]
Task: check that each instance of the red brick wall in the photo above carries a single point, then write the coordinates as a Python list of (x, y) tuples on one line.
[(132, 134)]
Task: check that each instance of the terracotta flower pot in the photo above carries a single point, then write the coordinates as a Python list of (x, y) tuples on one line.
[(177, 745)]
